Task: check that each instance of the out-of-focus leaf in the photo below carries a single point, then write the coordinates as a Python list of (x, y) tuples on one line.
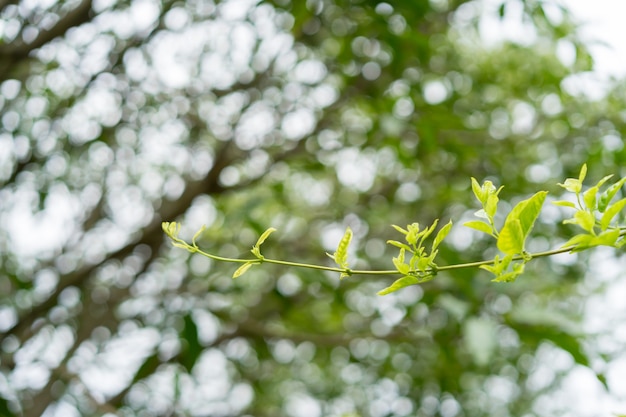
[(4, 408), (192, 349), (479, 336), (147, 368)]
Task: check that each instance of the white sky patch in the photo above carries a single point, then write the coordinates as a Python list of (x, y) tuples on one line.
[(32, 234), (604, 30)]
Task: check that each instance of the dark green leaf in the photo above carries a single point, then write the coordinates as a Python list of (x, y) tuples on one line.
[(191, 347)]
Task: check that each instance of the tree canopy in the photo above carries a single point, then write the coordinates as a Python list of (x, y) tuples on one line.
[(308, 117)]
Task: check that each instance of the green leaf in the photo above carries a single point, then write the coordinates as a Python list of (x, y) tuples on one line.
[(480, 226), (242, 269), (197, 235), (608, 195), (579, 242), (263, 237), (572, 185), (399, 245), (585, 241), (341, 254), (399, 263), (427, 232), (478, 192), (584, 219), (403, 282), (441, 235), (423, 263), (519, 223), (611, 212), (499, 265), (583, 173), (589, 197), (575, 185), (607, 238), (399, 229), (603, 180), (171, 229), (563, 203), (511, 238), (491, 206), (518, 269), (413, 233)]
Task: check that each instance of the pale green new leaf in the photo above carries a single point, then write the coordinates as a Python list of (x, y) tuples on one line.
[(413, 233), (403, 282), (589, 197), (399, 229), (564, 203), (519, 223), (399, 245), (242, 269), (507, 277), (197, 235), (171, 229), (575, 185), (341, 254), (611, 212), (584, 219), (441, 235), (572, 185), (399, 263), (608, 195), (584, 241), (423, 263), (511, 238), (264, 236), (603, 180), (583, 173), (579, 242), (478, 192), (426, 233), (480, 226), (499, 265), (492, 204), (256, 249), (608, 238)]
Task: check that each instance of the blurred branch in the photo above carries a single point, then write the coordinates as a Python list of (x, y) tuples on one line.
[(46, 396), (76, 17), (5, 3), (152, 236)]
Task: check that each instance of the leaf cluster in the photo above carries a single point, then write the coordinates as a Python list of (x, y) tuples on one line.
[(421, 266), (594, 213)]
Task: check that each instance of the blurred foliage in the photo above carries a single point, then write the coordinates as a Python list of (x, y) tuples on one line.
[(307, 116)]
